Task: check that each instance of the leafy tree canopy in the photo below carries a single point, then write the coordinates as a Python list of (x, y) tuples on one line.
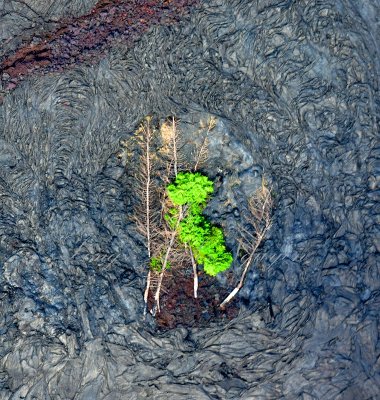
[(190, 188), (206, 241)]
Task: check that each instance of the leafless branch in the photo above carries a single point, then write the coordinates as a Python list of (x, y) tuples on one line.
[(260, 208), (173, 235), (174, 141), (195, 272), (202, 153), (145, 184)]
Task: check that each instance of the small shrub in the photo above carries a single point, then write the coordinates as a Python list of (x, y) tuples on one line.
[(156, 264)]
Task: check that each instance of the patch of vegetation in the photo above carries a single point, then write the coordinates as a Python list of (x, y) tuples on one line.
[(191, 191), (169, 206), (156, 264)]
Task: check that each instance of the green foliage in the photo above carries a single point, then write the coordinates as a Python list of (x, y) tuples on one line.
[(206, 241), (172, 217), (194, 229), (213, 253), (156, 264), (190, 188)]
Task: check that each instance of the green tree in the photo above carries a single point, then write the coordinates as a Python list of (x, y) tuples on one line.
[(190, 188), (191, 191)]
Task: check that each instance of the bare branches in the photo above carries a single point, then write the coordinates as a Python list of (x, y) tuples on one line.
[(170, 146), (202, 152), (149, 170), (165, 264), (201, 159), (146, 292), (148, 166), (260, 209), (169, 137), (172, 150), (144, 215), (174, 141), (160, 156)]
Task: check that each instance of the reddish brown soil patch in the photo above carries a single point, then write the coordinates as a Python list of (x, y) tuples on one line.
[(180, 308), (85, 38)]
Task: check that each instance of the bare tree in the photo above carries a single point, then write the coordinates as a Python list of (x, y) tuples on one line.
[(171, 134), (260, 211), (173, 235), (201, 157), (145, 214)]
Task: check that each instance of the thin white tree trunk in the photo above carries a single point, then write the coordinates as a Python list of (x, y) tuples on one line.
[(175, 155), (147, 212), (195, 273), (173, 235), (156, 307)]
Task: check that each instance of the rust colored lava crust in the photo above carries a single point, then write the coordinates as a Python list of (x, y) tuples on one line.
[(180, 308), (85, 38)]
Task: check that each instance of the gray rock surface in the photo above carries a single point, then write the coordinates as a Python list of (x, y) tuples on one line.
[(295, 88), (22, 21)]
